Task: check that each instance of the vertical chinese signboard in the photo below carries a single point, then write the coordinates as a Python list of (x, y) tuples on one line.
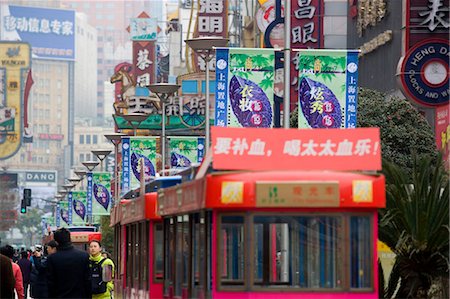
[(212, 21), (442, 130), (101, 193), (327, 88), (15, 60), (186, 150), (137, 150), (144, 60), (79, 207), (89, 196), (244, 87)]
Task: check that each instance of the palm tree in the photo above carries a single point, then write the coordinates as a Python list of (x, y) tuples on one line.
[(415, 225)]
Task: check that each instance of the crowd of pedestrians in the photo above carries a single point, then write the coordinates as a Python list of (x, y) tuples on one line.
[(57, 270)]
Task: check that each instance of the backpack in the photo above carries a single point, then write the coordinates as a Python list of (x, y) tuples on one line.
[(98, 285)]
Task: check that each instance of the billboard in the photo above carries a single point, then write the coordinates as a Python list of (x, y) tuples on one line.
[(15, 62), (185, 150), (244, 87), (79, 207), (50, 32), (328, 85), (101, 193), (143, 28)]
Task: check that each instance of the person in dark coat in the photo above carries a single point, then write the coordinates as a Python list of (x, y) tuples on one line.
[(68, 273), (39, 286), (25, 266), (7, 280)]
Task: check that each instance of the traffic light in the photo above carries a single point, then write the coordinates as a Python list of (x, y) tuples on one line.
[(27, 197), (23, 206)]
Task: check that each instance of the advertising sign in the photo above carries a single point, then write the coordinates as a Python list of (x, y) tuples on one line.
[(89, 196), (328, 85), (63, 213), (211, 21), (442, 129), (143, 29), (101, 193), (244, 87), (144, 62), (424, 76), (137, 150), (186, 150), (293, 149), (40, 177), (57, 215), (51, 32), (15, 60), (10, 191), (79, 207)]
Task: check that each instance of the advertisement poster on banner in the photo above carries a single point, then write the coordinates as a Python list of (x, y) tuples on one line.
[(442, 131), (63, 214), (244, 87), (136, 150), (143, 28), (186, 150), (79, 207), (328, 85), (101, 193), (50, 32)]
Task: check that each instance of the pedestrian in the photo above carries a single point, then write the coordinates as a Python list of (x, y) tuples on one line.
[(39, 286), (18, 286), (68, 269), (7, 280), (25, 266), (100, 289)]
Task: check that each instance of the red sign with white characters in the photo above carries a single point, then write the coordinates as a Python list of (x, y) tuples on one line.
[(144, 62), (292, 149)]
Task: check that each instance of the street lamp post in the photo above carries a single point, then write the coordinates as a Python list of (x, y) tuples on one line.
[(101, 154), (163, 91), (116, 139), (205, 48), (135, 119), (90, 165)]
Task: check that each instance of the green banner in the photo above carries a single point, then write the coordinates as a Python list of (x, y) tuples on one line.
[(146, 150), (79, 206), (244, 87), (186, 150), (327, 88), (101, 193), (64, 213)]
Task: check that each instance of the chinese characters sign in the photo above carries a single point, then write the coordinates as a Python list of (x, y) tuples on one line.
[(212, 21), (143, 28), (186, 150), (101, 193), (328, 87), (15, 60), (144, 60), (51, 32), (282, 149), (135, 151), (79, 207), (244, 87)]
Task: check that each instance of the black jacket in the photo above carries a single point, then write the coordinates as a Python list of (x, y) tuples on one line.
[(38, 278), (68, 273)]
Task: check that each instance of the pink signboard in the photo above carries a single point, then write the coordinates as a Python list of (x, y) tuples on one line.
[(442, 129)]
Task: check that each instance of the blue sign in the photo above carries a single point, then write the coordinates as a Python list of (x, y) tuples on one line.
[(58, 215), (70, 199), (125, 165), (424, 72), (352, 88), (221, 87), (89, 196), (51, 32)]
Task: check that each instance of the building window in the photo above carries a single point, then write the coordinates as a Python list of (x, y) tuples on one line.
[(81, 139), (58, 84), (81, 157), (94, 139), (88, 139)]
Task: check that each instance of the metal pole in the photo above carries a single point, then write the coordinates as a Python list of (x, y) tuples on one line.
[(207, 59), (163, 137), (287, 63)]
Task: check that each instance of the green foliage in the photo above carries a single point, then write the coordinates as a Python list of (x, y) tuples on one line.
[(415, 225), (29, 225), (107, 234), (403, 129)]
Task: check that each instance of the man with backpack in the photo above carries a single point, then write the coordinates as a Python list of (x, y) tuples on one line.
[(100, 266)]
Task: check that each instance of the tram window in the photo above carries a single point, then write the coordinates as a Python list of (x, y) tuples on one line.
[(129, 255), (185, 249), (158, 251), (297, 251), (169, 253), (360, 252), (178, 255), (232, 251), (136, 261)]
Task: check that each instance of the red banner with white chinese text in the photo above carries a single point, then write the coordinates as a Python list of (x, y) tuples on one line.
[(144, 62), (292, 149)]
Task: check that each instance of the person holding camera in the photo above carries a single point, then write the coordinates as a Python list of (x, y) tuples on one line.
[(38, 277)]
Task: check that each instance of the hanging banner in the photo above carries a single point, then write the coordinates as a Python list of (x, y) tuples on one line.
[(69, 207), (101, 193), (328, 85), (89, 196), (79, 207), (134, 151), (64, 213), (244, 87), (57, 218), (186, 150)]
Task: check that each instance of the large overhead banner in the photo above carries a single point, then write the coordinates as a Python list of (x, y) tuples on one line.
[(186, 150), (15, 62), (51, 32), (328, 88), (135, 151), (244, 87)]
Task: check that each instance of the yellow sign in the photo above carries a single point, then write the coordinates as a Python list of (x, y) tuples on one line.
[(362, 191), (15, 59), (297, 194), (232, 192)]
